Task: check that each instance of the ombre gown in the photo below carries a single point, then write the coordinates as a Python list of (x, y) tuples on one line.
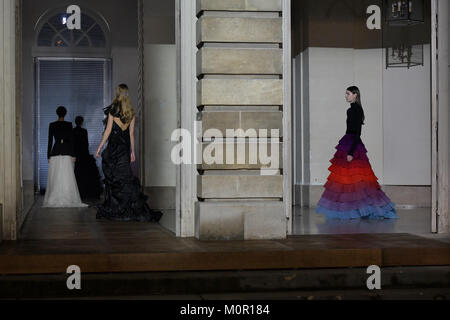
[(352, 190), (124, 200)]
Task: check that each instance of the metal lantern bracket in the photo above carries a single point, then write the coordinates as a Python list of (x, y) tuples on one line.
[(404, 12)]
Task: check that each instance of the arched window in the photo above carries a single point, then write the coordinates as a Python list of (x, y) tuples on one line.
[(52, 31)]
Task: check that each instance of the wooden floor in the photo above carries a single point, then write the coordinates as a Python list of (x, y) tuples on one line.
[(53, 239)]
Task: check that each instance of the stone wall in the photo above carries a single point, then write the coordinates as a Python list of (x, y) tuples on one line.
[(240, 86)]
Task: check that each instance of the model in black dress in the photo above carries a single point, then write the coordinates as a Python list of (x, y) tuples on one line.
[(124, 200)]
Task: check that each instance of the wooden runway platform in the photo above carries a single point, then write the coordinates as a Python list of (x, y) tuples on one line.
[(53, 239)]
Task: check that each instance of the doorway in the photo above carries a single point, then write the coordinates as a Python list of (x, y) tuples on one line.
[(83, 86)]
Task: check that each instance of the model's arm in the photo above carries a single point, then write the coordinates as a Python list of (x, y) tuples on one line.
[(133, 157), (50, 140), (355, 142), (105, 134)]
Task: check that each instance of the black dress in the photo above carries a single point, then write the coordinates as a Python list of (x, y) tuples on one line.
[(86, 171), (124, 200)]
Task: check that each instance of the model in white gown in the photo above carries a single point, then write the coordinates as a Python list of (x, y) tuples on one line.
[(62, 190)]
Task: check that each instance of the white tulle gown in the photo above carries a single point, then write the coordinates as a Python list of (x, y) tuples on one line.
[(62, 190)]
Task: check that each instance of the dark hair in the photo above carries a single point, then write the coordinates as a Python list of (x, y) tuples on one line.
[(79, 120), (123, 86), (61, 111), (355, 90)]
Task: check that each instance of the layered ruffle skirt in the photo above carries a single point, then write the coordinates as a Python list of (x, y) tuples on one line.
[(352, 190)]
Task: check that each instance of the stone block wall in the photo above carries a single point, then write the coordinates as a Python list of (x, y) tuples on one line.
[(240, 86)]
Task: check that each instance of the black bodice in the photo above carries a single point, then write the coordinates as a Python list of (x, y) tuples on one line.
[(355, 116), (61, 133)]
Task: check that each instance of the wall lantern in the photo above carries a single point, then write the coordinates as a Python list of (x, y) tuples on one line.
[(404, 56), (404, 12)]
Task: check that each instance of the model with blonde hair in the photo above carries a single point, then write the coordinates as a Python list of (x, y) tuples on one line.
[(124, 200)]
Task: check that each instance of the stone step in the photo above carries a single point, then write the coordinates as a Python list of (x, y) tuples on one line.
[(116, 250), (339, 282)]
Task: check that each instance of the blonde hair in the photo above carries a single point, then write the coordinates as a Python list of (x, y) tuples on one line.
[(123, 100)]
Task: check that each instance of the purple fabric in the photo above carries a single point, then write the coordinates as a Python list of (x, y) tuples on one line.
[(377, 201), (351, 196), (345, 144)]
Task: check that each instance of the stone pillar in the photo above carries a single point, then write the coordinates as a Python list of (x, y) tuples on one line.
[(443, 223), (186, 172), (21, 213), (8, 148), (240, 86)]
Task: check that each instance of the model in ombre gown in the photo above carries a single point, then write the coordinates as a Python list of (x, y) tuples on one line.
[(352, 190)]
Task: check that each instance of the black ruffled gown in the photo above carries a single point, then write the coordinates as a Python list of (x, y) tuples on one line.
[(124, 200)]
